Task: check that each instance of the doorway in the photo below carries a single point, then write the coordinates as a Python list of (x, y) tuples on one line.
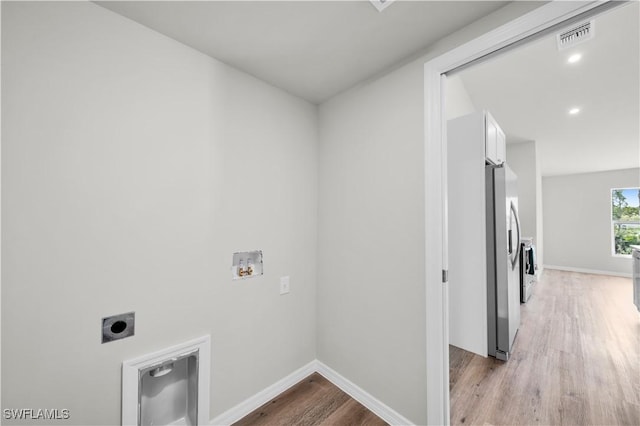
[(541, 21), (557, 103)]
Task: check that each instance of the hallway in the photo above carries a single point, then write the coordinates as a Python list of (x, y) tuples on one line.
[(576, 360)]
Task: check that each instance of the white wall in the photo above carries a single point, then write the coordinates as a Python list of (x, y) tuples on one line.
[(539, 217), (371, 241), (523, 160), (371, 266), (457, 100), (132, 168), (577, 220)]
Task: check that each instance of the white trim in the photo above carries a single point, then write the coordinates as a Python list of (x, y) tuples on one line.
[(622, 256), (0, 211), (130, 377), (354, 391), (542, 18), (370, 402), (256, 401), (435, 260), (588, 271)]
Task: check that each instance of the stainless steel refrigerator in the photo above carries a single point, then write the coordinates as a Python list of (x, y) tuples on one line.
[(503, 263)]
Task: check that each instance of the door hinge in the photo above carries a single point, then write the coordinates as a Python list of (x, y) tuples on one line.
[(445, 276)]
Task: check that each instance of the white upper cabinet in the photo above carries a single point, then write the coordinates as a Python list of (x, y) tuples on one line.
[(495, 149)]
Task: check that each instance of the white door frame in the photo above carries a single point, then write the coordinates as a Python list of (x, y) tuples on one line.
[(436, 247)]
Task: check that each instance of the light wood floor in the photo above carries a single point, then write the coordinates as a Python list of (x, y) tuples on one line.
[(313, 401), (575, 360)]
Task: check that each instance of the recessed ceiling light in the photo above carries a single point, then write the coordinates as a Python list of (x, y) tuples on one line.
[(574, 111), (574, 58)]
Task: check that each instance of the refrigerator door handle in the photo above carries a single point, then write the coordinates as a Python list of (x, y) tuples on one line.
[(515, 216)]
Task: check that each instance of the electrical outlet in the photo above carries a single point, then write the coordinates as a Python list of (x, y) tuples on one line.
[(284, 285)]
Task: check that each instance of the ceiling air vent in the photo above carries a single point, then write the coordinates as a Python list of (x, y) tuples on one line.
[(381, 4), (575, 35)]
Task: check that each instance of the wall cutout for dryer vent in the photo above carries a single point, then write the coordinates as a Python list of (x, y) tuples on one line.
[(575, 35), (118, 327)]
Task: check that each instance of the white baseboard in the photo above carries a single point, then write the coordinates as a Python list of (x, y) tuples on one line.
[(244, 408), (588, 271), (372, 404)]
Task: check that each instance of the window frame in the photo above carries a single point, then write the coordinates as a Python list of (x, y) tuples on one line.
[(612, 222)]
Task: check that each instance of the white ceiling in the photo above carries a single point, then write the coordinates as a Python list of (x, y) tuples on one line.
[(530, 90), (312, 49), (317, 49)]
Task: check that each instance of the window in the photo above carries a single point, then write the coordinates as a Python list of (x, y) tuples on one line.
[(625, 219)]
